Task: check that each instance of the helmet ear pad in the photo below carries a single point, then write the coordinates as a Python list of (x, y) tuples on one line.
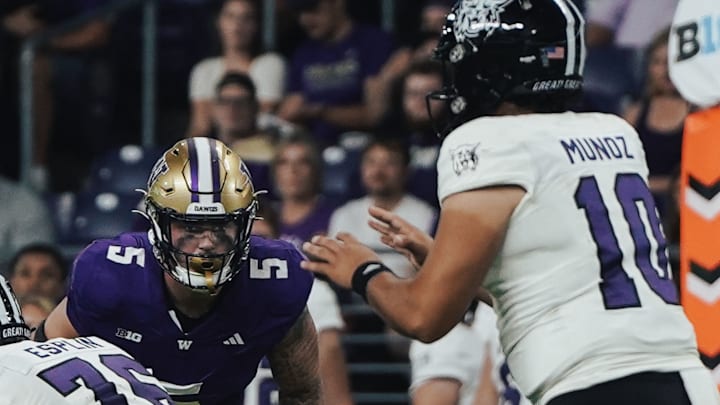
[(474, 85)]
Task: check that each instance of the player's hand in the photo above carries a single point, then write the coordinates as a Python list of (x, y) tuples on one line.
[(338, 258), (400, 235)]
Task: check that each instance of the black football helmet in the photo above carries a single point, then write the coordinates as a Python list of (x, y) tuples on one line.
[(508, 50), (12, 325)]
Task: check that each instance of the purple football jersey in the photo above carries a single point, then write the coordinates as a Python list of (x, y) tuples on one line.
[(315, 223), (117, 292)]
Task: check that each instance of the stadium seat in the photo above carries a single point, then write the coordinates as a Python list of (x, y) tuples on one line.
[(608, 79), (422, 177), (341, 167), (102, 215), (341, 174), (354, 141), (123, 170), (61, 207)]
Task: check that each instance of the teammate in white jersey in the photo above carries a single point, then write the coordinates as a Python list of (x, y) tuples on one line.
[(550, 211), (325, 311), (83, 370), (449, 370)]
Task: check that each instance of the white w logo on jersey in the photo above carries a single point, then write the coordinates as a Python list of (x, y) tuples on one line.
[(184, 344)]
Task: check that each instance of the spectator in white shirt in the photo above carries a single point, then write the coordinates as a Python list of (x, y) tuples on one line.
[(237, 25)]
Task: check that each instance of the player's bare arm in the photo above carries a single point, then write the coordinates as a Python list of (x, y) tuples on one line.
[(438, 391), (403, 237), (470, 233), (333, 371), (57, 324), (486, 392), (294, 363)]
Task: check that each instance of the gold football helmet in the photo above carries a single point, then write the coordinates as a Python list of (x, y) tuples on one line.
[(201, 204)]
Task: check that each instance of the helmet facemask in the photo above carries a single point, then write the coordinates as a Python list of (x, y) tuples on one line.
[(461, 106), (181, 239)]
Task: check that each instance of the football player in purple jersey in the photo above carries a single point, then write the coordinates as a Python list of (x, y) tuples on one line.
[(198, 299)]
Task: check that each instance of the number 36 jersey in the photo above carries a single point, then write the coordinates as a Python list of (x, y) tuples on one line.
[(84, 370), (582, 286)]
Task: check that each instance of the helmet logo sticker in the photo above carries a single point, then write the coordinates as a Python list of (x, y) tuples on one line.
[(476, 16), (458, 105), (160, 168), (457, 53), (464, 158), (243, 169)]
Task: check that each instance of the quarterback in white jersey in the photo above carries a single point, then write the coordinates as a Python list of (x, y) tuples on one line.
[(587, 205), (549, 210), (83, 370)]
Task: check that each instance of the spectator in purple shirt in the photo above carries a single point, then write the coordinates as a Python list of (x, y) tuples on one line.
[(297, 172), (330, 72)]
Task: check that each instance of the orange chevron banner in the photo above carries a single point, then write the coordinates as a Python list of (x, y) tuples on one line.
[(700, 232)]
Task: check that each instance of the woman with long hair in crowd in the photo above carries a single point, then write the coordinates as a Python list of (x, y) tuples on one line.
[(659, 117), (238, 25)]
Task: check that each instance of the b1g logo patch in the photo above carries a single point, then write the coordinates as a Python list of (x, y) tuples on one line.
[(464, 158)]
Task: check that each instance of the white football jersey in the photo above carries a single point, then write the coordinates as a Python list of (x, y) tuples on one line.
[(324, 307), (582, 287), (84, 370), (508, 391), (459, 355)]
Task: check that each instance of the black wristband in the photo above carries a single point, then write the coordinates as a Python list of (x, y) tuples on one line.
[(363, 274), (40, 335)]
